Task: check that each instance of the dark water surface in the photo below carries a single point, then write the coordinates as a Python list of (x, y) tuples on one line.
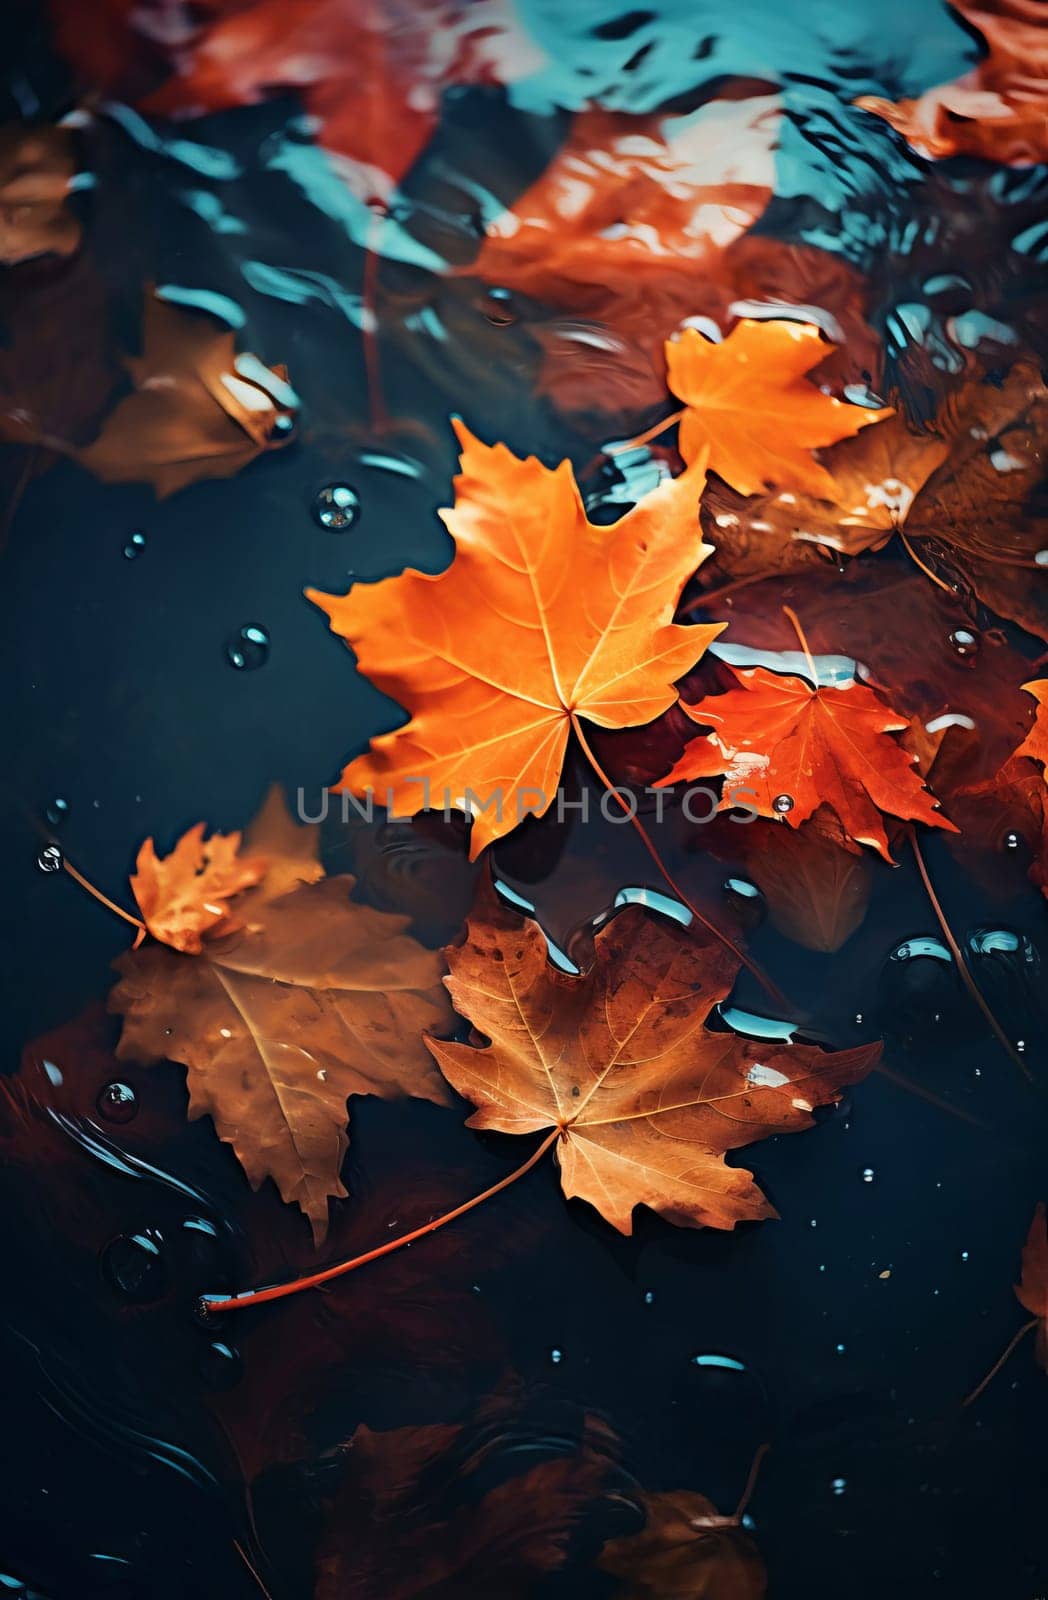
[(150, 1455)]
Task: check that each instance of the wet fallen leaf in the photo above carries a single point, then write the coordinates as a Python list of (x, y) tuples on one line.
[(416, 1512), (290, 849), (959, 494), (279, 1023), (784, 741), (817, 888), (647, 1101), (748, 402), (685, 1551), (371, 75), (622, 230), (1000, 818), (1035, 745), (496, 656), (997, 111), (37, 169), (197, 409), (1032, 1289), (182, 896)]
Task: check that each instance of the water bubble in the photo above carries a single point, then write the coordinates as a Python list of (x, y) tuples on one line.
[(133, 1265), (220, 1365), (782, 804), (964, 641), (498, 308), (248, 648), (284, 425), (649, 1297), (1041, 558), (839, 1485), (858, 1019), (964, 1255), (134, 546), (1020, 1045), (841, 1348), (57, 811), (117, 1102), (336, 507), (556, 1356), (1013, 841), (868, 1174), (50, 859)]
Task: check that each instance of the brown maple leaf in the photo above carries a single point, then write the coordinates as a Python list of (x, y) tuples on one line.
[(686, 1551), (957, 494), (182, 896), (1032, 1289), (794, 748), (37, 168), (278, 1024), (541, 619), (197, 409), (749, 404), (645, 1099), (998, 110), (416, 1514), (816, 885)]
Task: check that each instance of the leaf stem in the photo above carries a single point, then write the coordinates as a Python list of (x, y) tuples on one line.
[(280, 1291), (789, 612), (962, 966), (103, 899), (758, 972), (928, 573), (709, 597), (751, 1483), (999, 1363), (649, 433)]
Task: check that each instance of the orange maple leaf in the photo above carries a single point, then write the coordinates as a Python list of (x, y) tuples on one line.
[(1035, 745), (749, 403), (998, 110), (182, 897), (645, 1101), (795, 748), (542, 618)]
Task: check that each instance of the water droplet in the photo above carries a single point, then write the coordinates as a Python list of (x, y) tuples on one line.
[(220, 1365), (133, 1265), (964, 641), (1020, 1045), (1041, 558), (839, 1485), (964, 1255), (117, 1102), (248, 648), (498, 308), (336, 507), (134, 546), (556, 1356), (50, 859), (284, 425), (1013, 841), (858, 1019), (649, 1297), (57, 811), (867, 1174), (782, 804), (841, 1348)]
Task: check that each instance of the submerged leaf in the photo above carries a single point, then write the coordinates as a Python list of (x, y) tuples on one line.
[(685, 1551), (197, 410), (997, 111)]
